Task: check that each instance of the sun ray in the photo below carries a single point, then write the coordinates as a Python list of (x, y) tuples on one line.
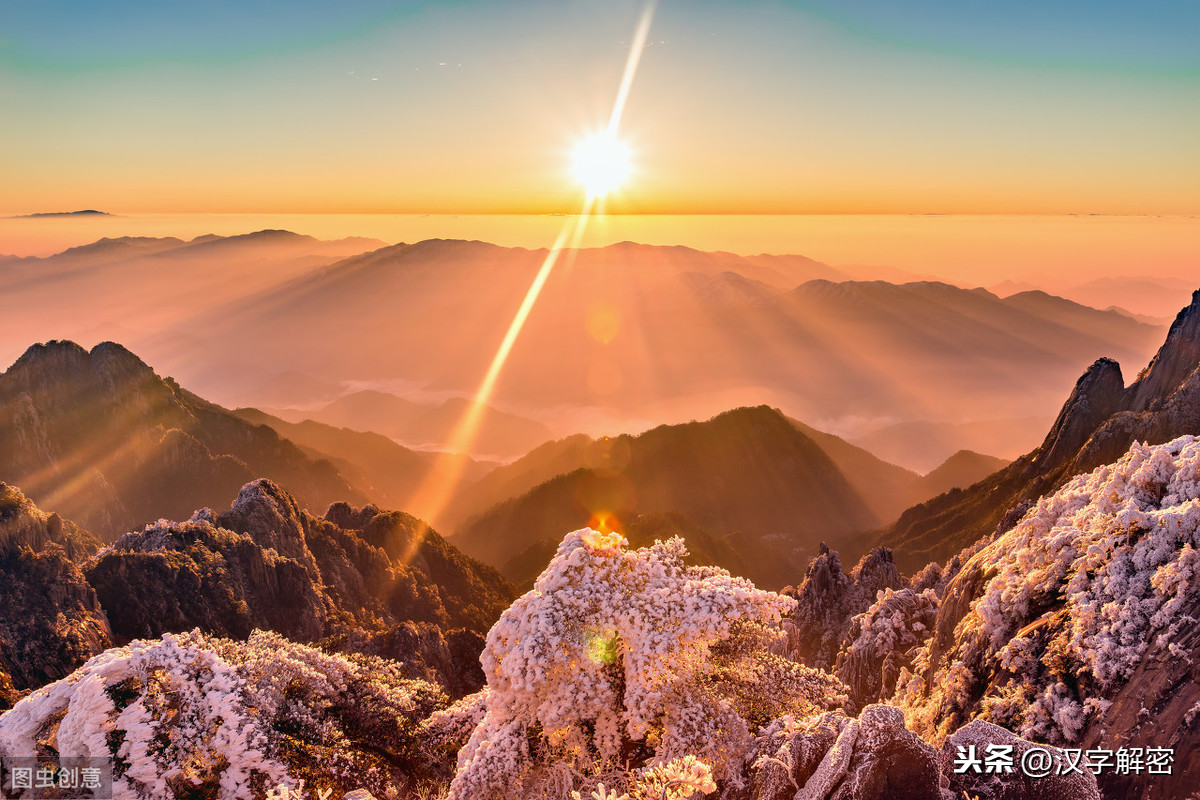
[(431, 497)]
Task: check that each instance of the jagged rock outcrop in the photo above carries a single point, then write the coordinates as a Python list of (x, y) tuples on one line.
[(883, 640), (266, 563), (1099, 422), (970, 744), (50, 620), (828, 599), (101, 439), (875, 757), (1096, 397), (178, 576)]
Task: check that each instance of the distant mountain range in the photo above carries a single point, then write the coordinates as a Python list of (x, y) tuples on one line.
[(625, 332), (427, 425)]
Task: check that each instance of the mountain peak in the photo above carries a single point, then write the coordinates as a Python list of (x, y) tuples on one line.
[(1175, 360), (58, 358), (1097, 395)]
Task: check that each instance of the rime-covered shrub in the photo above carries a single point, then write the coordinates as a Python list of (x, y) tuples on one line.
[(627, 657), (1071, 599), (885, 639), (195, 716)]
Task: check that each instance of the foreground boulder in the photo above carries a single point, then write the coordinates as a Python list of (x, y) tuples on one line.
[(1026, 771)]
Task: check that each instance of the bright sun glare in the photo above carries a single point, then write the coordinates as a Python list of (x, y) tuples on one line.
[(601, 163)]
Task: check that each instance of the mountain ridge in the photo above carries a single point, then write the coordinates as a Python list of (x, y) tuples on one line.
[(1098, 422)]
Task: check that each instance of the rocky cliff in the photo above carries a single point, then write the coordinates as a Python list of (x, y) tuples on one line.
[(266, 563), (1098, 423), (50, 620)]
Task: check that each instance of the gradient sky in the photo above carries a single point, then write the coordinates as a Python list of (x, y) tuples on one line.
[(840, 106)]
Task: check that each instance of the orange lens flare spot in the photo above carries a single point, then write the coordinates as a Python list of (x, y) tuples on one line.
[(605, 522), (603, 322)]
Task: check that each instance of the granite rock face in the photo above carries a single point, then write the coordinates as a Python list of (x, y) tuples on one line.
[(829, 598), (50, 619), (266, 563)]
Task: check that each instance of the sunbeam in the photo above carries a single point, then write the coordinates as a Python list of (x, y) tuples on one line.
[(432, 496)]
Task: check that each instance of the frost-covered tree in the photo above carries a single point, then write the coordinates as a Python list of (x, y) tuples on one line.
[(627, 658), (193, 716)]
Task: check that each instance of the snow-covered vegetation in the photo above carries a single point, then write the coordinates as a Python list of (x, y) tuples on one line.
[(1071, 599), (620, 657), (196, 716)]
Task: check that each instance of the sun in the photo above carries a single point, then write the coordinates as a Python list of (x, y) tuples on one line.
[(601, 163)]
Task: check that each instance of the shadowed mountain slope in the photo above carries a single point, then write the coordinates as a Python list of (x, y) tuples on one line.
[(102, 439), (1099, 421), (748, 473)]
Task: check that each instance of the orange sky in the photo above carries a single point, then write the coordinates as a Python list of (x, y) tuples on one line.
[(474, 107)]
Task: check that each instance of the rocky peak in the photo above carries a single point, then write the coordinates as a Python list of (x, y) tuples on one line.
[(1175, 361), (57, 374), (67, 357), (829, 598), (24, 524), (272, 518), (1098, 394)]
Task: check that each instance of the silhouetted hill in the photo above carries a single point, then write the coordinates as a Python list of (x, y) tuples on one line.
[(1098, 422), (959, 471), (886, 488), (423, 425), (539, 465), (748, 474), (102, 439), (88, 212)]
